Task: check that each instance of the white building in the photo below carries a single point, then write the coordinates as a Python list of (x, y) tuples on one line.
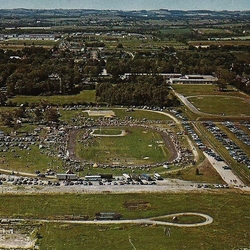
[(194, 79)]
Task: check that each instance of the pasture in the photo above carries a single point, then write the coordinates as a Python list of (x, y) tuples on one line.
[(136, 146), (229, 230)]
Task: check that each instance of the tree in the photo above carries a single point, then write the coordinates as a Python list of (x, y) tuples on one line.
[(51, 115), (222, 86), (119, 46), (7, 118), (3, 99)]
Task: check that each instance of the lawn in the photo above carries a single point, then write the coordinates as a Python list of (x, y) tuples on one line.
[(229, 230), (138, 146)]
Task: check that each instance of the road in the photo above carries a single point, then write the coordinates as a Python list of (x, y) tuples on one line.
[(227, 174), (153, 221)]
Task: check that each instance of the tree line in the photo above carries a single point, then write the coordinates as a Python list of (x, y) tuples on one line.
[(145, 91)]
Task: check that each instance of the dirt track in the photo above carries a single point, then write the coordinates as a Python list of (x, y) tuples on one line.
[(72, 144)]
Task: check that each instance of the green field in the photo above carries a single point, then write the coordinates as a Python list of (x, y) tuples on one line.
[(221, 105), (229, 230), (204, 89), (28, 161), (141, 114), (104, 131), (138, 146), (220, 42), (85, 96)]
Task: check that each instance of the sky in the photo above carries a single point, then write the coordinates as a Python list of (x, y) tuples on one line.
[(128, 4)]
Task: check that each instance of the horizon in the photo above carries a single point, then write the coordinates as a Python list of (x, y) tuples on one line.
[(20, 8), (129, 5)]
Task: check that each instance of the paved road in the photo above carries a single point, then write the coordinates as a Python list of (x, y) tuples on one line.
[(227, 174)]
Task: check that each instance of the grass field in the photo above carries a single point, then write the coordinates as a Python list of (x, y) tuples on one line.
[(221, 42), (229, 230), (21, 160), (221, 105), (138, 146), (85, 96), (107, 132), (204, 89)]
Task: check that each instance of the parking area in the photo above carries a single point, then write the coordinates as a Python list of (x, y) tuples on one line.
[(233, 149)]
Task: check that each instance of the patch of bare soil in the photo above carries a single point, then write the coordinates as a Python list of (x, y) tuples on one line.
[(16, 241)]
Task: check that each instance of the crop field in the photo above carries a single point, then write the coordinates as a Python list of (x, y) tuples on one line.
[(221, 105), (220, 42), (229, 230), (215, 31), (30, 42), (135, 146)]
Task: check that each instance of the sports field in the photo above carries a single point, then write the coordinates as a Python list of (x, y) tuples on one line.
[(123, 146)]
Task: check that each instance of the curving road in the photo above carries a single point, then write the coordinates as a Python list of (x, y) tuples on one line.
[(152, 221)]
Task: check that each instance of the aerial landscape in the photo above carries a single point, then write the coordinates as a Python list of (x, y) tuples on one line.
[(125, 125)]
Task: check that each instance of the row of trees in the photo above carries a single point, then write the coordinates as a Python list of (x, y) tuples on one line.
[(42, 113), (148, 91)]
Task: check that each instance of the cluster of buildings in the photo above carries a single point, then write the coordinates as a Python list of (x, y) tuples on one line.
[(175, 78), (48, 37)]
